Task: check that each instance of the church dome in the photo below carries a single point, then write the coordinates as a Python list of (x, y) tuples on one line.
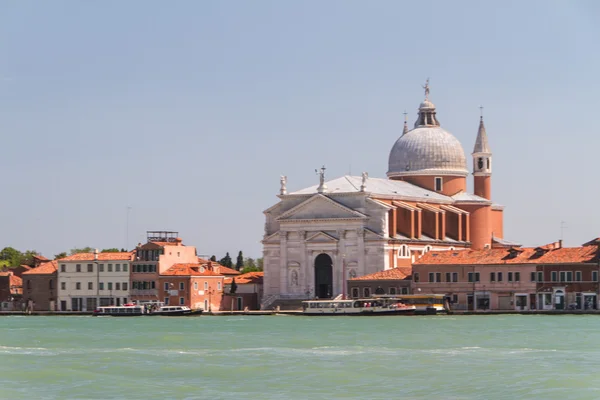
[(427, 149)]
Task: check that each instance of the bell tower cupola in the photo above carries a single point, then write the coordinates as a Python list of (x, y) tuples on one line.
[(482, 163)]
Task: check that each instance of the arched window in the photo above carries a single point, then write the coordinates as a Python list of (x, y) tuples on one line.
[(367, 292), (426, 250), (355, 292), (379, 290), (51, 284), (392, 290), (28, 285), (404, 251)]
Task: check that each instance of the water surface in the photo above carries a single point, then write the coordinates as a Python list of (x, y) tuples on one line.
[(294, 357)]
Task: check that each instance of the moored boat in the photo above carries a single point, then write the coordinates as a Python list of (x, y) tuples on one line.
[(139, 310), (175, 311), (369, 306), (128, 310)]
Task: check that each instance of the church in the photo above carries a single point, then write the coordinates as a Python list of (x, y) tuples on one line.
[(317, 238)]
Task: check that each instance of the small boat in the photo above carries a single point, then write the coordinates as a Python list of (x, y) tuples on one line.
[(175, 311), (128, 310), (357, 307)]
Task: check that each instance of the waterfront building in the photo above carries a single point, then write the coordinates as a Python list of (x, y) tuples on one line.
[(198, 286), (248, 292), (317, 238), (88, 280), (11, 291), (162, 250), (549, 277), (391, 281), (40, 286)]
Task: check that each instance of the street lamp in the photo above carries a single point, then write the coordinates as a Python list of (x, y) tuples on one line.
[(210, 292)]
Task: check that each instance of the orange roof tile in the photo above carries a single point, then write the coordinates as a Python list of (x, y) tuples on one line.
[(393, 273), (189, 270), (128, 256), (40, 257), (255, 277), (525, 255), (46, 268), (222, 269)]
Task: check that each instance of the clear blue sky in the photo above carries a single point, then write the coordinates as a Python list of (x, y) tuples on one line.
[(189, 111)]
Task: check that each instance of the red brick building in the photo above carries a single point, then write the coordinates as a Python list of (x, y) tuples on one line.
[(391, 281), (40, 286), (549, 277), (11, 290), (248, 293), (195, 285)]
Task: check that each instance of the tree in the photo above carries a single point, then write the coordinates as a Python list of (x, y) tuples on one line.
[(213, 258), (60, 255), (111, 250), (82, 250), (233, 288), (250, 266), (260, 263), (226, 261), (239, 264), (11, 256), (27, 257)]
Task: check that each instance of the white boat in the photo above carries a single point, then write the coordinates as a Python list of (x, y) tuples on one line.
[(357, 307), (138, 310), (129, 310), (175, 311)]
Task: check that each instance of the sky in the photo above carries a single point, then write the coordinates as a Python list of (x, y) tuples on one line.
[(121, 117)]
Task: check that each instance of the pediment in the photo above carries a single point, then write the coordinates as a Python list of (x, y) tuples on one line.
[(320, 207), (273, 238), (370, 235), (321, 237)]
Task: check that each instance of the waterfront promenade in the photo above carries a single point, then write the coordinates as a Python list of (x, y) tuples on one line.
[(299, 312)]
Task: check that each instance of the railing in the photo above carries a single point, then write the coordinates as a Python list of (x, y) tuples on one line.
[(268, 301)]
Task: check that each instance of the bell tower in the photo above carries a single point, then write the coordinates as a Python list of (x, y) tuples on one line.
[(482, 164)]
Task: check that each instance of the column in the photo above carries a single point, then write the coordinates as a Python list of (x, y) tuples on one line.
[(283, 272), (360, 238)]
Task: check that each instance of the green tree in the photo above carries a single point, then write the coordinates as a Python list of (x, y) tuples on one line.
[(233, 288), (250, 266), (226, 261), (27, 257), (260, 263), (213, 258), (60, 255), (11, 256), (82, 250), (239, 264), (111, 250)]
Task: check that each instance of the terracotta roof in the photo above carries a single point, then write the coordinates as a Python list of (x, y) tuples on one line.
[(393, 273), (46, 268), (15, 282), (189, 270), (40, 258), (26, 267), (222, 269), (526, 255), (128, 256), (255, 277)]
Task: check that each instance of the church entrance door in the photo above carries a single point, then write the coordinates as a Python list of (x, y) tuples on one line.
[(323, 276)]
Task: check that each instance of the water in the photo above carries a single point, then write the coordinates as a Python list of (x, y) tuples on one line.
[(294, 357)]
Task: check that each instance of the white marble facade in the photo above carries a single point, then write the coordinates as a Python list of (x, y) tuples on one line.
[(350, 228)]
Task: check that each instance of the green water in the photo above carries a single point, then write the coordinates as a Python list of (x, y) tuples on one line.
[(293, 357)]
